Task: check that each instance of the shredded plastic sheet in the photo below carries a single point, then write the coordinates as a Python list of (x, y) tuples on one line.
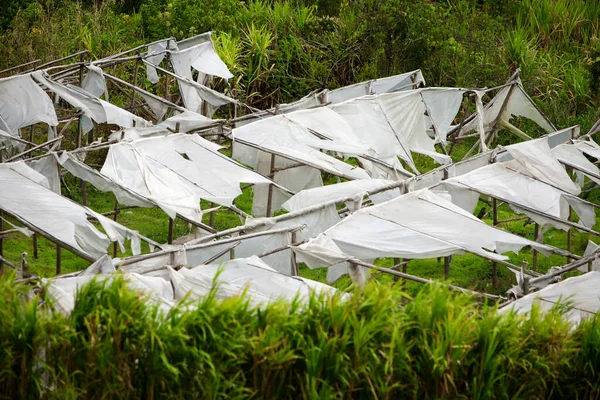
[(158, 107), (188, 121), (581, 292), (442, 106), (416, 225), (93, 108), (357, 188), (49, 212), (281, 261), (63, 291), (24, 103), (48, 167), (573, 155), (588, 147), (176, 171), (535, 158), (156, 53), (261, 283), (509, 185), (405, 81), (94, 82), (516, 103)]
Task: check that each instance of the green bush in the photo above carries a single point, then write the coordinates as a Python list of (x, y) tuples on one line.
[(439, 345)]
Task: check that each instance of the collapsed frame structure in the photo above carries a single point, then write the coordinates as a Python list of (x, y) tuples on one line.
[(158, 158)]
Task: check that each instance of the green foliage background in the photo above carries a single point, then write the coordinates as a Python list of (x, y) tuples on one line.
[(281, 50)]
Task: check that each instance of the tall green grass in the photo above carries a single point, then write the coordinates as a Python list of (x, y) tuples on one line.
[(439, 345)]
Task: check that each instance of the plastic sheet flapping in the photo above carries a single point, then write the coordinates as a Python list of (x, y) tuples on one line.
[(580, 292), (24, 103), (416, 225)]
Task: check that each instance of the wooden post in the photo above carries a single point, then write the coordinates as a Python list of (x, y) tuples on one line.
[(535, 238), (82, 185), (495, 222), (232, 254), (171, 223), (58, 256), (396, 262), (569, 235), (167, 96), (447, 261), (35, 246), (270, 196), (1, 243), (295, 271), (211, 217), (115, 215), (135, 80)]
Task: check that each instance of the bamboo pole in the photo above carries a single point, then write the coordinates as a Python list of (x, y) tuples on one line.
[(115, 217), (170, 237), (423, 280), (35, 246), (295, 271), (495, 223), (58, 257), (270, 194)]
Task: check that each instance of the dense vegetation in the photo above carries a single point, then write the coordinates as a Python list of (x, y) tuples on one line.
[(114, 345), (280, 50)]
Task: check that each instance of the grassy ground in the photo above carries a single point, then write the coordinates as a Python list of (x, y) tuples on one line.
[(466, 270)]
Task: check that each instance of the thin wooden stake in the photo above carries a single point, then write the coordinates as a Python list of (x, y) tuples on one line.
[(535, 252), (171, 223), (495, 222), (58, 256), (270, 196), (35, 246), (211, 220), (396, 262), (115, 215), (295, 271), (447, 261)]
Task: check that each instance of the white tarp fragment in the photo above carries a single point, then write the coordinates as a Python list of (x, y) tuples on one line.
[(260, 282), (418, 225), (94, 82), (358, 188), (156, 53), (24, 103), (47, 211), (176, 171), (48, 167), (580, 292), (93, 108), (510, 101)]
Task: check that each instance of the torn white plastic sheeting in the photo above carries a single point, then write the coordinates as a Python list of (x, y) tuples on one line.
[(573, 155), (49, 212), (103, 183), (48, 167), (252, 276), (188, 121), (510, 101), (405, 81), (419, 225), (580, 292), (176, 171), (519, 189), (535, 158), (590, 249), (156, 53), (203, 58), (93, 108), (290, 146), (63, 291), (94, 82), (24, 230), (588, 147), (118, 233), (254, 245), (358, 188), (158, 107), (24, 103), (442, 105)]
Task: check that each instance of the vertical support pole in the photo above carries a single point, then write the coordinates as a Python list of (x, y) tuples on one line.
[(569, 235), (396, 262), (211, 218), (135, 80), (495, 222), (270, 196), (171, 223), (295, 271), (82, 185), (1, 243), (404, 269), (35, 246), (535, 253), (447, 261), (167, 96), (232, 254), (115, 215), (30, 136), (58, 257)]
